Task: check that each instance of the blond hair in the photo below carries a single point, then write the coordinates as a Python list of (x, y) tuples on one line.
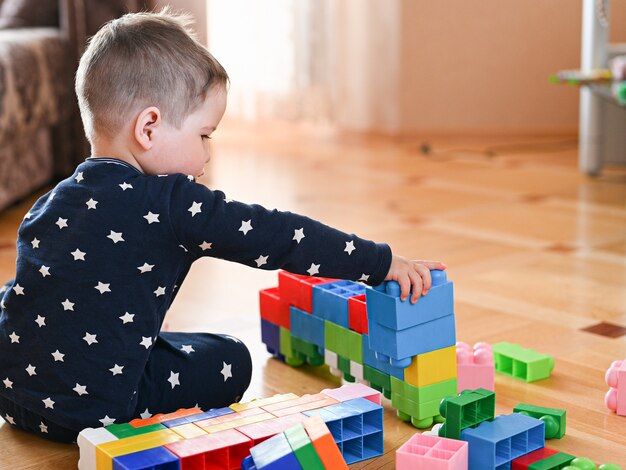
[(140, 60)]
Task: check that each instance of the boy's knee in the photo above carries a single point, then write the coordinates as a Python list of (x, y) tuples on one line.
[(241, 367)]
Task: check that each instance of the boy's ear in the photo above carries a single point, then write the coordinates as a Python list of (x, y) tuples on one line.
[(148, 121)]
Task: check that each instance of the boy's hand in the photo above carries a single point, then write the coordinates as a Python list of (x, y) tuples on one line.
[(412, 275)]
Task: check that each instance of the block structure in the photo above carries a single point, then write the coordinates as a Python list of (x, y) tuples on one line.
[(423, 452), (405, 351), (475, 367), (553, 418), (521, 363), (322, 430), (615, 398)]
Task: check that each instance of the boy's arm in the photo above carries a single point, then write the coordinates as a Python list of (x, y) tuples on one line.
[(208, 224)]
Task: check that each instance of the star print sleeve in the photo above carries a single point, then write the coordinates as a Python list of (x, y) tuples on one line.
[(208, 224)]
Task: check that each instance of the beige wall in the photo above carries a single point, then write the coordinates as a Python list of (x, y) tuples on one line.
[(197, 8)]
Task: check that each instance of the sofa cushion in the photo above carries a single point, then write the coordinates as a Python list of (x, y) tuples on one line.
[(25, 13)]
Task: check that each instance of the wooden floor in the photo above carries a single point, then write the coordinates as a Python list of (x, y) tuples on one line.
[(537, 252)]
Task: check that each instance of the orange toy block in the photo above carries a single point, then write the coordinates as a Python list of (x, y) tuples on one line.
[(161, 418), (324, 443)]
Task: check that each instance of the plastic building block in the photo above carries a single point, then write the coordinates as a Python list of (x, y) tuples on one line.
[(296, 289), (582, 463), (300, 405), (106, 452), (126, 430), (270, 335), (370, 359), (521, 363), (494, 444), (213, 413), (235, 420), (324, 443), (468, 409), (273, 308), (475, 367), (356, 371), (343, 364), (303, 449), (352, 391), (292, 357), (189, 430), (522, 463), (432, 367), (400, 330), (330, 300), (310, 352), (343, 341), (552, 417), (260, 402), (553, 462), (307, 327), (378, 380), (259, 432), (357, 314), (420, 405), (163, 417), (275, 454), (615, 398), (422, 452), (158, 458), (87, 441)]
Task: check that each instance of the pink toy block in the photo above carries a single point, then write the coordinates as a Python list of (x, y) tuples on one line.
[(258, 432), (475, 367), (350, 391), (615, 398), (225, 449), (423, 452)]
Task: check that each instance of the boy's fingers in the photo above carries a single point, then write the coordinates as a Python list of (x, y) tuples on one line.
[(433, 264), (424, 272), (416, 282), (405, 287)]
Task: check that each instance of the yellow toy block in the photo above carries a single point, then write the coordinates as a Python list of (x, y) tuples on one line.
[(109, 450), (432, 367), (235, 423), (257, 403), (187, 431)]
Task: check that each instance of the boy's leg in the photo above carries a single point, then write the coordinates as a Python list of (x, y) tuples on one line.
[(189, 369)]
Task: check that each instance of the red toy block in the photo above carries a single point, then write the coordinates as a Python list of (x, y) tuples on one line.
[(324, 443), (225, 449), (258, 432), (523, 462), (615, 398), (475, 367), (161, 418), (350, 391), (297, 290), (357, 314), (273, 308), (424, 452)]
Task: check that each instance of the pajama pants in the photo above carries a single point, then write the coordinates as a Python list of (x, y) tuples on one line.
[(211, 353)]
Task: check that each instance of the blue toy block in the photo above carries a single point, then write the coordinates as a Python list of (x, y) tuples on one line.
[(330, 301), (158, 458), (494, 444), (270, 335), (248, 463), (213, 413), (370, 360), (275, 454), (307, 327)]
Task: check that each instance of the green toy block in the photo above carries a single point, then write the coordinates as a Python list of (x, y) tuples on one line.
[(125, 430), (303, 449), (421, 415), (337, 339), (378, 380), (355, 346), (343, 364), (521, 363), (468, 409), (308, 350), (292, 357), (554, 462), (428, 393), (552, 417)]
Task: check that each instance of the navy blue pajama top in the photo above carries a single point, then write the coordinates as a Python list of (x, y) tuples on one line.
[(100, 259)]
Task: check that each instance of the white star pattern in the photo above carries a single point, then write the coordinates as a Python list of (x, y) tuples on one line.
[(14, 338), (246, 226), (314, 269), (173, 380), (196, 207), (79, 177), (364, 277), (205, 246), (81, 389), (261, 260), (91, 204), (28, 215), (146, 414), (41, 321), (185, 249), (31, 370), (125, 186), (190, 177), (35, 242), (298, 235), (78, 255), (62, 223), (67, 305), (145, 268), (52, 196), (151, 218), (19, 290), (9, 419), (127, 318), (146, 342), (44, 270), (188, 348), (49, 403), (106, 421), (115, 236), (90, 339), (159, 291), (116, 369), (349, 247), (226, 371), (102, 288), (58, 356), (7, 383), (43, 428)]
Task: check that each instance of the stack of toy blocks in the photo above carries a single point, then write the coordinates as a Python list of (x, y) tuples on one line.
[(424, 452), (406, 351), (615, 398), (222, 438), (475, 367), (521, 363)]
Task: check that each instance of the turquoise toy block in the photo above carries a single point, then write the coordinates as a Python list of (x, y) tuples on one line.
[(554, 418), (521, 363), (307, 326), (330, 301), (494, 444), (469, 408)]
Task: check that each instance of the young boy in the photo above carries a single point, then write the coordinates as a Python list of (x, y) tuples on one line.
[(102, 256)]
